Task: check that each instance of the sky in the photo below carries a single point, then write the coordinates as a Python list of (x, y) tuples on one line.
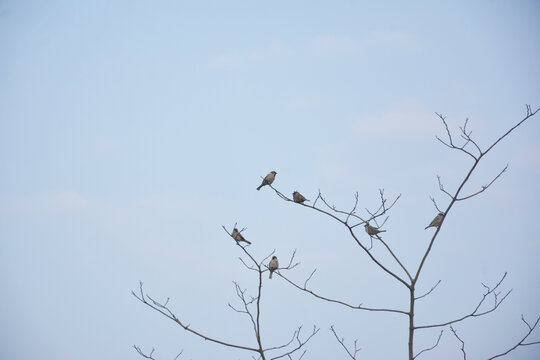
[(132, 131)]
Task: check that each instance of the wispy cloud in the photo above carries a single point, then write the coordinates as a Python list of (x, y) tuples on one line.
[(65, 200), (405, 118), (305, 101), (252, 57), (333, 47), (105, 144)]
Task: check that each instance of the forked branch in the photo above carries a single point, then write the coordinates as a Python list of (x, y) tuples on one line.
[(521, 342), (352, 353), (490, 292), (150, 356), (356, 307), (430, 348)]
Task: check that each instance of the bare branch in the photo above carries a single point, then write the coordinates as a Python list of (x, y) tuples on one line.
[(146, 356), (464, 181), (476, 312), (522, 341), (485, 187), (528, 115), (352, 354), (165, 311), (383, 209), (359, 307), (441, 187), (461, 341), (150, 356), (240, 293), (395, 257), (435, 203), (299, 343), (450, 143), (430, 348), (429, 292)]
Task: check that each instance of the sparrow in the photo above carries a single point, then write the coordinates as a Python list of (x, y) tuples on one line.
[(372, 230), (436, 222), (298, 198), (238, 237), (268, 179), (273, 265)]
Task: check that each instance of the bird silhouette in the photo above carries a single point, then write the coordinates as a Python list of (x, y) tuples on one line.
[(436, 222), (273, 265), (371, 230), (238, 237), (268, 179), (298, 198)]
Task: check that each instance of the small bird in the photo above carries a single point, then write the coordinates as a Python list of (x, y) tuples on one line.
[(273, 265), (436, 222), (268, 179), (298, 198), (238, 237), (371, 230)]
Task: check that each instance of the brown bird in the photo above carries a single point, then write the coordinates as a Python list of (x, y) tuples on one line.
[(268, 179), (238, 237), (298, 198), (436, 222), (273, 265), (371, 230)]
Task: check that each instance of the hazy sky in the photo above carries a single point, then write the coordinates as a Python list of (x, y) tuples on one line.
[(131, 131)]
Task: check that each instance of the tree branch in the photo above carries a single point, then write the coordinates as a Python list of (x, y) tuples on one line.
[(461, 341), (430, 348), (476, 312), (359, 307), (299, 345), (383, 209), (352, 354), (429, 292), (165, 311), (522, 341), (149, 356), (485, 187)]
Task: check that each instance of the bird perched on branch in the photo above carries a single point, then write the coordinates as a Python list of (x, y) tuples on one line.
[(436, 222), (371, 230), (273, 265), (238, 237), (298, 198), (268, 179)]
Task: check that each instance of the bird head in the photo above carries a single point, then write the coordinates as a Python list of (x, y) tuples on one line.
[(273, 172), (274, 257), (235, 229)]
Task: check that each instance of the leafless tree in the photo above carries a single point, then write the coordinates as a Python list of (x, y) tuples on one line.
[(408, 277), (250, 307)]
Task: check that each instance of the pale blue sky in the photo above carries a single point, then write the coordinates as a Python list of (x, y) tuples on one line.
[(130, 131)]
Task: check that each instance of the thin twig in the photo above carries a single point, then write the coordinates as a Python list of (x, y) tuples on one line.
[(430, 348), (352, 354)]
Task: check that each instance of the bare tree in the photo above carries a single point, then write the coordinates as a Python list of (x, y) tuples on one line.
[(250, 306), (408, 277)]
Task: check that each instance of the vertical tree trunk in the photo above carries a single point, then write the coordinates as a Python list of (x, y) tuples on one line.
[(411, 323)]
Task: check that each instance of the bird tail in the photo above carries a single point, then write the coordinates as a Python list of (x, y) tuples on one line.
[(259, 188), (426, 227), (382, 230), (249, 242), (270, 276)]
